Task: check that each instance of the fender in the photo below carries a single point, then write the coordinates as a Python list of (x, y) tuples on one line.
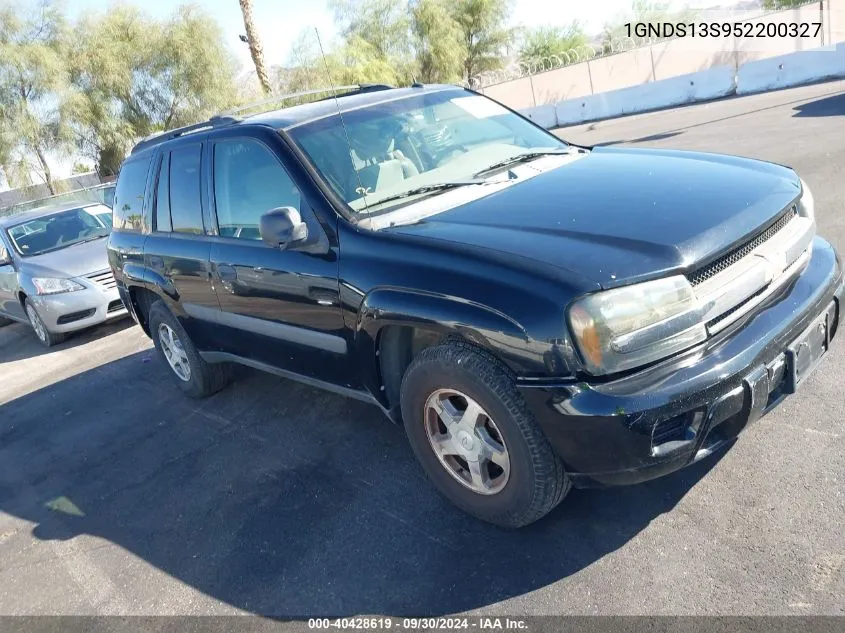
[(476, 323), (138, 275)]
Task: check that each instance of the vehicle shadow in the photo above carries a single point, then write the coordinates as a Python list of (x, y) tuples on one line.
[(17, 340), (644, 139), (829, 106), (281, 500)]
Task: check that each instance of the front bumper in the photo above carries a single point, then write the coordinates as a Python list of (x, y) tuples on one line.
[(71, 311), (656, 421)]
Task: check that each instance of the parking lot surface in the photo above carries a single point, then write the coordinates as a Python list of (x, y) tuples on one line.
[(120, 496)]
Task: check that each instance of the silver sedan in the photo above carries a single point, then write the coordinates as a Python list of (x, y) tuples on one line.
[(54, 271)]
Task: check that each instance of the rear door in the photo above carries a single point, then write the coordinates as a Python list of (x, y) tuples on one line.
[(279, 307), (177, 248)]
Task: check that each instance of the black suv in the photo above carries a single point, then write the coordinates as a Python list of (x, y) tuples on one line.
[(536, 314)]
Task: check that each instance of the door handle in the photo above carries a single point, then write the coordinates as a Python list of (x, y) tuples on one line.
[(323, 296), (227, 272)]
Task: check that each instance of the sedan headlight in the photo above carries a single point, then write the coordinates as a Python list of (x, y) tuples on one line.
[(627, 327), (807, 204), (54, 286)]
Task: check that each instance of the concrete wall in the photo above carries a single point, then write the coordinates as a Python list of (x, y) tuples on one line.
[(683, 71)]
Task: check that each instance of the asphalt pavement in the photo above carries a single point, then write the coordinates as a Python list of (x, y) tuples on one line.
[(120, 496)]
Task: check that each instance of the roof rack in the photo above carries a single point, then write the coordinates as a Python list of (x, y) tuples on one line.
[(275, 99), (160, 137), (230, 117)]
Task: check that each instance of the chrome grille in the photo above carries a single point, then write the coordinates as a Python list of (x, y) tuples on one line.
[(104, 278), (706, 272)]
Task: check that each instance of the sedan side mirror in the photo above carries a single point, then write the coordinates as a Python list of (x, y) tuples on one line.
[(283, 228), (5, 258)]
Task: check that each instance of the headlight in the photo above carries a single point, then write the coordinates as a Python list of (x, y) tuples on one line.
[(807, 204), (54, 286), (626, 327)]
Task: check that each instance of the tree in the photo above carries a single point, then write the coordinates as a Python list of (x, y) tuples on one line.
[(782, 4), (80, 167), (485, 36), (256, 51), (440, 53), (545, 41), (33, 82), (134, 75), (383, 24)]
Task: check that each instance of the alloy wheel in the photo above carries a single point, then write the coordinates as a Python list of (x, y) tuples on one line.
[(467, 441), (37, 324), (175, 354)]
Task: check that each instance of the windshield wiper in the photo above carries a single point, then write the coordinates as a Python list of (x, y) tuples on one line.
[(432, 188), (90, 239), (521, 158)]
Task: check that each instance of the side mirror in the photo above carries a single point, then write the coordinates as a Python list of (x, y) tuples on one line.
[(283, 227), (5, 258)]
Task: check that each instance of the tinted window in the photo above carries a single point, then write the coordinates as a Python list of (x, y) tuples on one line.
[(248, 182), (129, 196), (162, 203), (185, 206)]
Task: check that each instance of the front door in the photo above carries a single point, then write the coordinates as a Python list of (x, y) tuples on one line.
[(9, 303), (279, 307)]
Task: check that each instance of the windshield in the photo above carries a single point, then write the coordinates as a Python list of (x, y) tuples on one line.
[(59, 230), (406, 144)]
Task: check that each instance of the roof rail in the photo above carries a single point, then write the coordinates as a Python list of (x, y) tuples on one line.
[(231, 116), (160, 137), (275, 99)]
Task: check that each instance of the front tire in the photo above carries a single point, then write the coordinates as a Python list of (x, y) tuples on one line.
[(45, 337), (476, 439), (194, 376)]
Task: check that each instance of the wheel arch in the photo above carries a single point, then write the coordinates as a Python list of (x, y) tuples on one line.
[(394, 325)]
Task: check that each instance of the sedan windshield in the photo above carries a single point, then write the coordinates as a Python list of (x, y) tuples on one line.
[(59, 230), (421, 145)]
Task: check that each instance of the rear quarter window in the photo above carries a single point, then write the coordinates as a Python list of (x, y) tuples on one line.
[(128, 210)]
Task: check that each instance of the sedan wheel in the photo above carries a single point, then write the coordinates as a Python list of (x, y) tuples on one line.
[(174, 352), (37, 325), (45, 336), (467, 442)]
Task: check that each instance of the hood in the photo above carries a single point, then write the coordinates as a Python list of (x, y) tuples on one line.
[(620, 215), (74, 261)]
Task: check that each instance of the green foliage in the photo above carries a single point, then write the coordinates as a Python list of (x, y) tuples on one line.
[(438, 39), (551, 40), (389, 41), (134, 75), (80, 167), (783, 4), (33, 81), (485, 35), (383, 24)]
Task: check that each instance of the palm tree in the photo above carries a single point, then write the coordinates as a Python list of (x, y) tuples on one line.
[(255, 48)]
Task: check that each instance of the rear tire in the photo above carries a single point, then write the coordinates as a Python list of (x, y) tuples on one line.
[(476, 439), (44, 336), (194, 376)]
